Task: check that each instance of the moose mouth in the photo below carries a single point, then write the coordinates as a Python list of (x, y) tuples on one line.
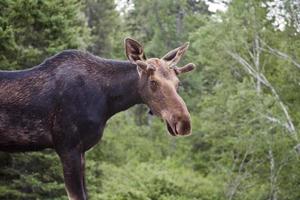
[(172, 131)]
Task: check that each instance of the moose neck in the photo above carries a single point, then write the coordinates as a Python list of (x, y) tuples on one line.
[(123, 87)]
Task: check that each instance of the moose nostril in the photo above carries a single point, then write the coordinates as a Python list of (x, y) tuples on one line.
[(183, 127)]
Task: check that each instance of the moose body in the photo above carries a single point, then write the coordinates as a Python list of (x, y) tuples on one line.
[(65, 102)]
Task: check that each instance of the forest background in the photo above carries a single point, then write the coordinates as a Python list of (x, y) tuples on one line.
[(243, 97)]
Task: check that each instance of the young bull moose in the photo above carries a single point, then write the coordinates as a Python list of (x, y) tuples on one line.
[(65, 102)]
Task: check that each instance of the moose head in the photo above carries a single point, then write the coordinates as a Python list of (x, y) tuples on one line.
[(158, 85)]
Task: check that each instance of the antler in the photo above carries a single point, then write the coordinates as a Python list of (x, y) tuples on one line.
[(184, 69)]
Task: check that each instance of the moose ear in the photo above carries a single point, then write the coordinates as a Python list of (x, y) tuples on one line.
[(134, 51), (174, 56)]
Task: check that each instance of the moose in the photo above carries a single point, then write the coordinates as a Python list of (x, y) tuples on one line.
[(65, 102)]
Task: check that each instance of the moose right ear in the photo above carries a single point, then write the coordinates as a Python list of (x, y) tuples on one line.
[(174, 56), (134, 51)]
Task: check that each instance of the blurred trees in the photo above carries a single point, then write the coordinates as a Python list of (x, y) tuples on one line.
[(250, 103), (105, 24), (163, 25), (32, 30), (243, 99)]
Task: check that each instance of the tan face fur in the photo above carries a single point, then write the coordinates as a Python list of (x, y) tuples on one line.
[(159, 83)]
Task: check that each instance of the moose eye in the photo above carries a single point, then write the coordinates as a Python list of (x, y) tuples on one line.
[(153, 85)]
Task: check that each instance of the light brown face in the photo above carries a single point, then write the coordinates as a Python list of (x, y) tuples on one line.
[(159, 84)]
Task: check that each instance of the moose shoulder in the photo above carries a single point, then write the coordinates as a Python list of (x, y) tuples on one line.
[(65, 102)]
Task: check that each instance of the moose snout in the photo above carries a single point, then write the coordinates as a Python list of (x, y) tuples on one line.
[(179, 125)]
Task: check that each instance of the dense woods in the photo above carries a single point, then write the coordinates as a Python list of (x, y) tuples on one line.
[(243, 97)]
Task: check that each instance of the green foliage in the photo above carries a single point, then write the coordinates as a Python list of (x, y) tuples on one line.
[(162, 180), (33, 30), (31, 176), (163, 25), (105, 23), (144, 163)]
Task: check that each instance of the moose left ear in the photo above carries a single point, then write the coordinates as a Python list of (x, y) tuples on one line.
[(134, 50), (174, 56), (184, 69)]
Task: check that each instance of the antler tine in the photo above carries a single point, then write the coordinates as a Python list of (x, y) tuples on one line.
[(186, 68)]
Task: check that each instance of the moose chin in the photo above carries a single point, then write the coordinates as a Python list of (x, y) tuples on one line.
[(65, 102)]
